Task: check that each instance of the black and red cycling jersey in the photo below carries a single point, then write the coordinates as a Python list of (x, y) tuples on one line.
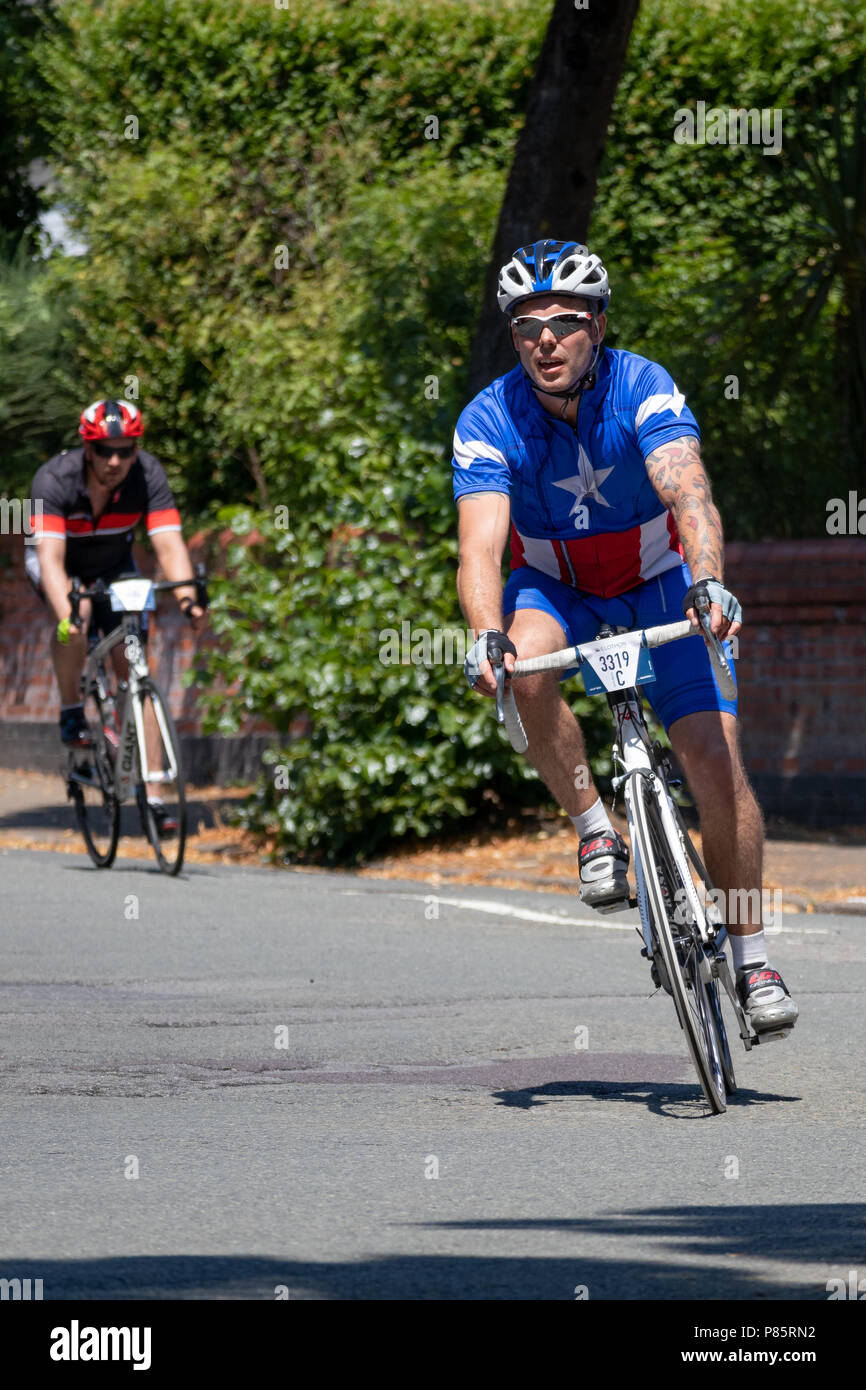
[(101, 547)]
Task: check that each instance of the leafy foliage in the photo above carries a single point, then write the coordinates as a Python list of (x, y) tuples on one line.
[(730, 262), (23, 93), (324, 620), (278, 159), (36, 391)]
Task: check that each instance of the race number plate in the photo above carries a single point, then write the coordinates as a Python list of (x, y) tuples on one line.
[(615, 664), (132, 596)]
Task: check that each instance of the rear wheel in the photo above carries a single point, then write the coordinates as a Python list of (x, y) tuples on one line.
[(163, 820), (90, 783)]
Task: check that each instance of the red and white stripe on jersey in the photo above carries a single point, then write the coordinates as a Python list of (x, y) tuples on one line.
[(45, 525), (166, 520), (109, 524), (606, 564)]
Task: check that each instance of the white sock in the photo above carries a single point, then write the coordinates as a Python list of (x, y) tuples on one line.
[(748, 950), (595, 821), (64, 708)]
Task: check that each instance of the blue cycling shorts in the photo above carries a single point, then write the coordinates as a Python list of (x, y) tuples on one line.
[(684, 683)]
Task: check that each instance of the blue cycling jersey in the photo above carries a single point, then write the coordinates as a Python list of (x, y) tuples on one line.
[(583, 509)]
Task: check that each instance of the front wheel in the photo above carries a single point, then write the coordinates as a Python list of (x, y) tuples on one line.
[(683, 954), (162, 805), (90, 784), (714, 995)]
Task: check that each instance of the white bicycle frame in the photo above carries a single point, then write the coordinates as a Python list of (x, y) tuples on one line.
[(633, 755), (632, 752), (132, 745)]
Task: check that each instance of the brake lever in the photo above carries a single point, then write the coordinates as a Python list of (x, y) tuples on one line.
[(703, 608), (506, 705), (201, 593), (497, 661)]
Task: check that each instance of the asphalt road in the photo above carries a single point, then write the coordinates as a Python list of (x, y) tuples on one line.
[(247, 1081)]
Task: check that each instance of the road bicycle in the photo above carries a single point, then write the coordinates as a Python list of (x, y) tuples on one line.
[(133, 743), (680, 924)]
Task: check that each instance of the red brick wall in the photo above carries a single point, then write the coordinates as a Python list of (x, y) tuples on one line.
[(28, 690), (802, 655)]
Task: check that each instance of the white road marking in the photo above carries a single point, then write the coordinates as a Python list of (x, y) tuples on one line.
[(528, 914)]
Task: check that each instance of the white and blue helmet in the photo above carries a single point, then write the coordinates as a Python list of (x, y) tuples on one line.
[(551, 267)]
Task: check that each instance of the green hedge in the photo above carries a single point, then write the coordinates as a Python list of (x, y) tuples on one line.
[(258, 129), (729, 262)]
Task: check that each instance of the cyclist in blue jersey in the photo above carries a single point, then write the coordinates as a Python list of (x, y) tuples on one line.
[(588, 460)]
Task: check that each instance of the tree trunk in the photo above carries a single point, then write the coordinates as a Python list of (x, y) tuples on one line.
[(552, 183)]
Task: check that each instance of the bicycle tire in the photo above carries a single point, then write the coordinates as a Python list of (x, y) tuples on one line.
[(101, 841), (169, 863), (715, 994), (681, 950)]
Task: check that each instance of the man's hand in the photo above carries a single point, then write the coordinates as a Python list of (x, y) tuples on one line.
[(195, 615), (477, 667), (66, 628), (726, 615)]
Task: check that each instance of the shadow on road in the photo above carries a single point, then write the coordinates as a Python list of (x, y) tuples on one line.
[(61, 816), (674, 1100), (830, 1235)]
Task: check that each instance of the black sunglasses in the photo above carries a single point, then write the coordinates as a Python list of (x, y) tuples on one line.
[(107, 451)]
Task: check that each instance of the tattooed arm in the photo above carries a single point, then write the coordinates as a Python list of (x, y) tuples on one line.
[(678, 476)]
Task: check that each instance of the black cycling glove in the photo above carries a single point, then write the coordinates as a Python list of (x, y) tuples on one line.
[(479, 653), (716, 593)]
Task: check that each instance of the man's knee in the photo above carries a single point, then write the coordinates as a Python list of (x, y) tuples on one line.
[(534, 632)]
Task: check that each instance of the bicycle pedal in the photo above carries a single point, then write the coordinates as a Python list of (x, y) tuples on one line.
[(620, 905), (777, 1035)]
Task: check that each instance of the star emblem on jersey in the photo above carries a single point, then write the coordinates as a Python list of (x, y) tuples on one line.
[(658, 404), (585, 484)]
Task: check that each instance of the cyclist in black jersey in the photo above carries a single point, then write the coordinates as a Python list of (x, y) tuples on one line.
[(87, 503)]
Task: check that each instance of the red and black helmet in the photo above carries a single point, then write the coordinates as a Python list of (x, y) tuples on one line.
[(111, 420)]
